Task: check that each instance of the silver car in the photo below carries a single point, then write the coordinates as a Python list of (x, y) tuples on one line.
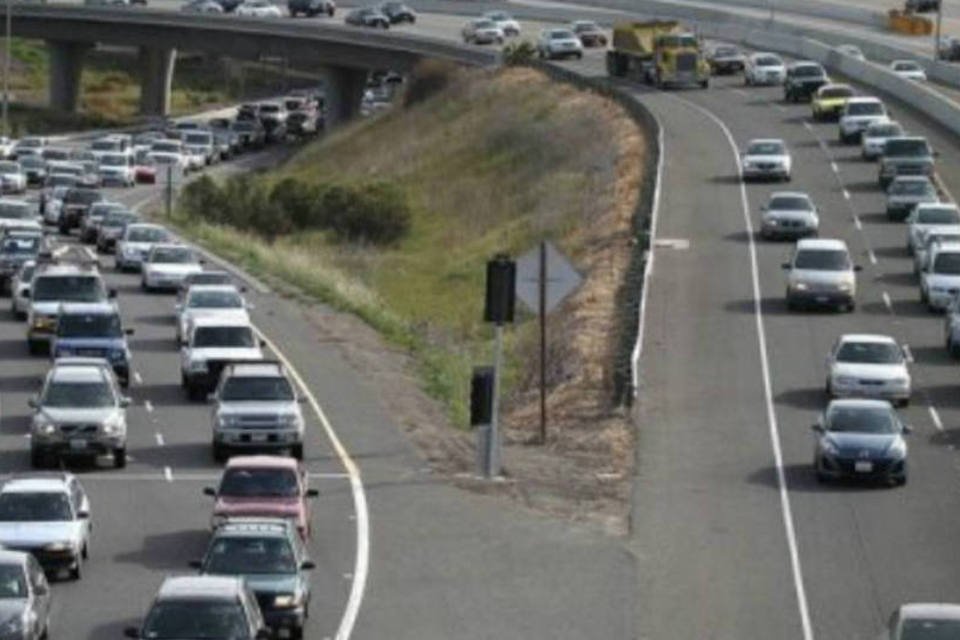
[(764, 69), (137, 240), (821, 273), (868, 366), (47, 515), (256, 408), (20, 290), (951, 327), (766, 158), (167, 265), (79, 413), (929, 238), (940, 276), (929, 215), (921, 620), (789, 214), (24, 597), (906, 192), (222, 301), (875, 137)]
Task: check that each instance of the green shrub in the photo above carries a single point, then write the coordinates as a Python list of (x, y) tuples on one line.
[(517, 53), (300, 202), (429, 78), (375, 213), (201, 198)]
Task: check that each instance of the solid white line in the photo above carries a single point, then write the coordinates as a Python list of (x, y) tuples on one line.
[(648, 268), (836, 169), (806, 123), (148, 406), (137, 378), (935, 417), (786, 510), (872, 256), (361, 565), (857, 223), (887, 302), (159, 437), (907, 353), (846, 194), (168, 474)]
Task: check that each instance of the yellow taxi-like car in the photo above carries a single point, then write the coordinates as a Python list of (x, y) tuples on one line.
[(828, 102)]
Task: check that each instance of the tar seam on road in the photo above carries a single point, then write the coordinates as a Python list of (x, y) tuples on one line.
[(361, 565), (648, 268), (786, 510)]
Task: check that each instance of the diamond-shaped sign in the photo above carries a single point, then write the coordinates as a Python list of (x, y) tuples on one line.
[(561, 278)]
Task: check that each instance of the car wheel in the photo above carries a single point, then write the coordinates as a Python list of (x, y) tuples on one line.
[(828, 388), (85, 553), (791, 303), (297, 451), (193, 393), (37, 459), (75, 571), (219, 453), (822, 478), (923, 296), (119, 458), (35, 347)]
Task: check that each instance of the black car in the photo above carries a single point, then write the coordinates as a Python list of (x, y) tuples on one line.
[(311, 8), (229, 5), (803, 80), (725, 59), (368, 17), (398, 12), (76, 203), (250, 132)]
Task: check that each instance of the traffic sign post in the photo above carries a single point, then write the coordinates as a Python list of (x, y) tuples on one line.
[(172, 177)]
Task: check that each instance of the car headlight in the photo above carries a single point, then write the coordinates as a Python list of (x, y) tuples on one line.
[(844, 286), (901, 382), (289, 420), (118, 354), (287, 600), (43, 322), (12, 627), (115, 426), (898, 449), (58, 546), (198, 365), (229, 421), (940, 289), (844, 380), (800, 286), (829, 448)]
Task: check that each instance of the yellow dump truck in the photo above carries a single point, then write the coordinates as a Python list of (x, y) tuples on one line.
[(661, 52)]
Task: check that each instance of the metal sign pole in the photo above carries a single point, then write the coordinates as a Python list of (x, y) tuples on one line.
[(6, 72), (493, 442), (936, 37), (543, 341), (169, 191)]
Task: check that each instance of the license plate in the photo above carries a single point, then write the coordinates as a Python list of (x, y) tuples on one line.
[(823, 298), (78, 444), (863, 466), (258, 437)]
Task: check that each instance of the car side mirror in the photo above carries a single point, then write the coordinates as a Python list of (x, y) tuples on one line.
[(763, 208), (112, 293), (195, 564), (785, 266), (907, 429), (125, 401), (312, 493), (243, 289), (202, 261), (301, 399), (128, 331), (42, 589), (936, 154), (131, 632), (817, 427), (32, 403), (858, 267), (263, 344), (83, 515), (209, 491), (26, 293), (306, 565)]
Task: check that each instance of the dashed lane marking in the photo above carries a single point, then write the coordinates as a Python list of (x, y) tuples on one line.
[(846, 194), (887, 302), (168, 474), (159, 437), (834, 167), (907, 353), (935, 417), (148, 406), (857, 223), (137, 378), (872, 256)]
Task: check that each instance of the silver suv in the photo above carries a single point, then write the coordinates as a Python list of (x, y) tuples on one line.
[(821, 273), (25, 597), (47, 515), (256, 407), (211, 345), (79, 413)]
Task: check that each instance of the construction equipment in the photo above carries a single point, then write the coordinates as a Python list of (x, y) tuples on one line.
[(661, 52)]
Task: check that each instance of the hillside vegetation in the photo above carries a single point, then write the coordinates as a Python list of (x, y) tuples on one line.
[(474, 163)]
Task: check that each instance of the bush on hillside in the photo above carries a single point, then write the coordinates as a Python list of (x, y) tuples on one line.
[(377, 213), (517, 53), (429, 78)]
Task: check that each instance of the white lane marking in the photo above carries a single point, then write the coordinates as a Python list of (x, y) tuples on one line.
[(872, 256), (137, 378), (935, 417), (159, 437), (648, 270), (846, 194), (834, 167), (148, 406), (168, 474), (786, 510), (886, 301), (857, 223), (182, 477), (361, 565), (823, 146), (809, 127), (908, 354), (740, 92)]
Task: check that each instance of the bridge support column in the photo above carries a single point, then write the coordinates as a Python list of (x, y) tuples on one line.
[(156, 80), (66, 64), (345, 88)]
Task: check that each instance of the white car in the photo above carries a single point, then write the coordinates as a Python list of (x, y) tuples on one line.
[(909, 69), (868, 366), (137, 241), (109, 144), (258, 9), (205, 301), (876, 135), (505, 21), (858, 114), (53, 205), (18, 214), (821, 273), (766, 158), (31, 145), (117, 169), (212, 343), (927, 215), (167, 265), (851, 50), (164, 152), (940, 276), (559, 43), (6, 147), (929, 238), (764, 69), (12, 177), (789, 214), (482, 31), (20, 290)]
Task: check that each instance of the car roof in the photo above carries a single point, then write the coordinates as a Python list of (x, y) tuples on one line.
[(806, 63), (937, 205), (203, 587), (194, 288), (145, 225), (766, 141), (80, 372), (218, 320), (911, 179), (789, 194), (930, 610), (66, 269), (263, 462), (865, 403), (104, 308), (836, 85), (821, 243), (169, 245), (867, 337), (34, 485), (8, 557), (864, 100), (258, 369)]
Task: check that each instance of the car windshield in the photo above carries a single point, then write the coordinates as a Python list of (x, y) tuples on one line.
[(870, 353), (864, 109), (30, 143), (15, 210), (62, 180), (206, 277), (114, 160), (259, 483), (83, 395), (89, 325), (790, 203), (220, 299), (197, 138), (927, 629), (197, 619), (83, 196), (561, 34), (9, 167), (836, 92), (822, 260), (938, 215), (148, 234), (118, 219), (32, 162), (12, 582), (911, 188), (765, 149), (269, 108), (105, 145), (947, 263), (484, 24), (35, 507), (910, 148), (808, 71), (884, 131), (769, 61), (55, 154), (906, 66), (726, 51), (166, 147), (241, 388), (171, 255), (27, 246), (223, 337), (68, 289), (580, 27), (242, 126), (499, 16), (244, 555), (861, 420)]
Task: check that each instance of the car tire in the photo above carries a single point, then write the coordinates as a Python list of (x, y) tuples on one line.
[(85, 554), (193, 393), (37, 459), (35, 347), (75, 572), (120, 458), (297, 451), (828, 389), (791, 303), (219, 453), (923, 296)]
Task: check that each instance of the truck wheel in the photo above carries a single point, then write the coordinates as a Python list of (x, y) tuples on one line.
[(119, 458), (37, 459), (297, 451), (704, 84)]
